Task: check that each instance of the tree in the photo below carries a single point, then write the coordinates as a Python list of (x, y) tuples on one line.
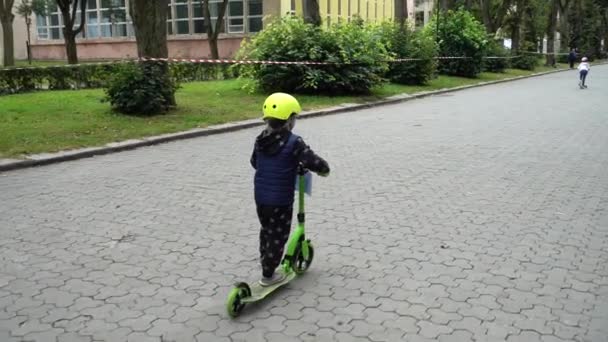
[(6, 19), (68, 10), (150, 24), (25, 10), (585, 26), (513, 21), (401, 12), (551, 31), (213, 32), (493, 13), (312, 14)]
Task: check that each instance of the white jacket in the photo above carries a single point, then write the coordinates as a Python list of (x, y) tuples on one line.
[(584, 66)]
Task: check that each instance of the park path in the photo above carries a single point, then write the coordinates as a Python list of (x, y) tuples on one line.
[(480, 215)]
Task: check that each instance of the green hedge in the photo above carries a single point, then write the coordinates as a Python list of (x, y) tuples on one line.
[(403, 42), (17, 80), (459, 34), (496, 49), (356, 48), (526, 61)]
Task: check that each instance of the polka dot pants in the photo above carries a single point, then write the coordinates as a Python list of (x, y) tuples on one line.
[(276, 224)]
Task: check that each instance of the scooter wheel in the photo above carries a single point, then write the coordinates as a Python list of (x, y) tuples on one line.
[(301, 264), (234, 304)]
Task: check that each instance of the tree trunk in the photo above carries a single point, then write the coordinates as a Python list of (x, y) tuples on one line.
[(486, 16), (68, 13), (70, 47), (28, 24), (213, 32), (515, 37), (150, 25), (6, 21), (7, 40), (551, 30), (401, 12), (605, 20), (312, 14)]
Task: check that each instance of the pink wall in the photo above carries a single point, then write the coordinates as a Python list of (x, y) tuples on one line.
[(179, 47)]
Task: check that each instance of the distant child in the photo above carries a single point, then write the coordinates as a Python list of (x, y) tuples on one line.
[(276, 156), (583, 70)]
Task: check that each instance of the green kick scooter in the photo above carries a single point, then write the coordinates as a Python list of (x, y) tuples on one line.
[(296, 261)]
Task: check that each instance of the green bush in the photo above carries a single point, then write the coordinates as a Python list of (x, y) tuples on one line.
[(97, 75), (526, 61), (192, 72), (563, 57), (403, 42), (495, 49), (356, 49), (141, 88), (459, 35)]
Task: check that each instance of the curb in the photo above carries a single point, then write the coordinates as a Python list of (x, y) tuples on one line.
[(52, 158)]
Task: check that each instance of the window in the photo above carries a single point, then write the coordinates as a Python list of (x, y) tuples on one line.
[(198, 19), (110, 18), (255, 15), (235, 16), (42, 26), (114, 21), (181, 17), (92, 29), (103, 18), (51, 26), (419, 18)]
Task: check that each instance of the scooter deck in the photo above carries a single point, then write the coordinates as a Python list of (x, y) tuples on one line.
[(258, 292)]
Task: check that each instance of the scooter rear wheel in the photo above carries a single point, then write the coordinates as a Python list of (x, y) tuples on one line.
[(234, 304), (300, 263)]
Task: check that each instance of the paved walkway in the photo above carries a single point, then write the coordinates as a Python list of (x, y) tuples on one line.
[(481, 215)]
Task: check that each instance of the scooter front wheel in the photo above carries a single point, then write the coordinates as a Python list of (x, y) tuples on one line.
[(234, 304), (302, 263)]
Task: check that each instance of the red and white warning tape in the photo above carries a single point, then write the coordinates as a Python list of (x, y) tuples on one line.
[(245, 61), (231, 61), (544, 53)]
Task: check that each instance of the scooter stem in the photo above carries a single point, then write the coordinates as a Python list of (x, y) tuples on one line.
[(302, 189)]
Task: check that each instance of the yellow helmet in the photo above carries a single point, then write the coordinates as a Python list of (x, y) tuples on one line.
[(281, 106)]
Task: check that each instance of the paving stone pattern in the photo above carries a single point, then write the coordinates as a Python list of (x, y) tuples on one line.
[(476, 216)]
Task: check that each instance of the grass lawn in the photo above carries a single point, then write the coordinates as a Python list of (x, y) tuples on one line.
[(50, 121)]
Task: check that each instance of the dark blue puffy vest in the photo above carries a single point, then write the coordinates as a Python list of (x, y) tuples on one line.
[(275, 176)]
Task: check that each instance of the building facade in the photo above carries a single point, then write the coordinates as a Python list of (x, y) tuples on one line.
[(108, 32), (19, 37), (333, 11)]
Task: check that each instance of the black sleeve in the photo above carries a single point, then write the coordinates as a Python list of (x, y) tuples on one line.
[(253, 160), (309, 159)]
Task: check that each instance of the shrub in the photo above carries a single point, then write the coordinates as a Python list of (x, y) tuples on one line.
[(192, 72), (460, 35), (356, 49), (403, 42), (526, 61), (97, 75), (495, 49), (563, 57), (141, 88)]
